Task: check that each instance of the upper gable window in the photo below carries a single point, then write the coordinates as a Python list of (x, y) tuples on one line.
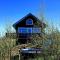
[(29, 22)]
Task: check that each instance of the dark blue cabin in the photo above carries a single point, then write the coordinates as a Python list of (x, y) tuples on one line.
[(27, 26)]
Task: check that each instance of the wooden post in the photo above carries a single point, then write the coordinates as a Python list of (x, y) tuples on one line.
[(19, 55)]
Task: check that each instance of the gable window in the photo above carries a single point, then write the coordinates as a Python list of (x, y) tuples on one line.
[(29, 22)]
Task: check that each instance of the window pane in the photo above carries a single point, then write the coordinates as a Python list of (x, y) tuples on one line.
[(36, 30), (24, 30), (29, 22), (28, 30)]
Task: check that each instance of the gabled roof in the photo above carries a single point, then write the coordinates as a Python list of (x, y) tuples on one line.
[(28, 15)]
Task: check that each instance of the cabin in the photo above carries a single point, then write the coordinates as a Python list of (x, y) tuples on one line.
[(25, 28)]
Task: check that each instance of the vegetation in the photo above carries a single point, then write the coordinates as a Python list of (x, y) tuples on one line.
[(6, 44), (49, 41)]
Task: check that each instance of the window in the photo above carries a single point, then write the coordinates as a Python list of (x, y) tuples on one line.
[(29, 22), (28, 30), (24, 30), (36, 30)]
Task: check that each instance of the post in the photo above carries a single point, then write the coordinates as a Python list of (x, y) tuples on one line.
[(19, 54)]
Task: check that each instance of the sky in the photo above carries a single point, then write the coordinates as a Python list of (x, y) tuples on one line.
[(13, 10)]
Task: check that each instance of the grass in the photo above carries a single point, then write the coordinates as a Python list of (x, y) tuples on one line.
[(41, 58)]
